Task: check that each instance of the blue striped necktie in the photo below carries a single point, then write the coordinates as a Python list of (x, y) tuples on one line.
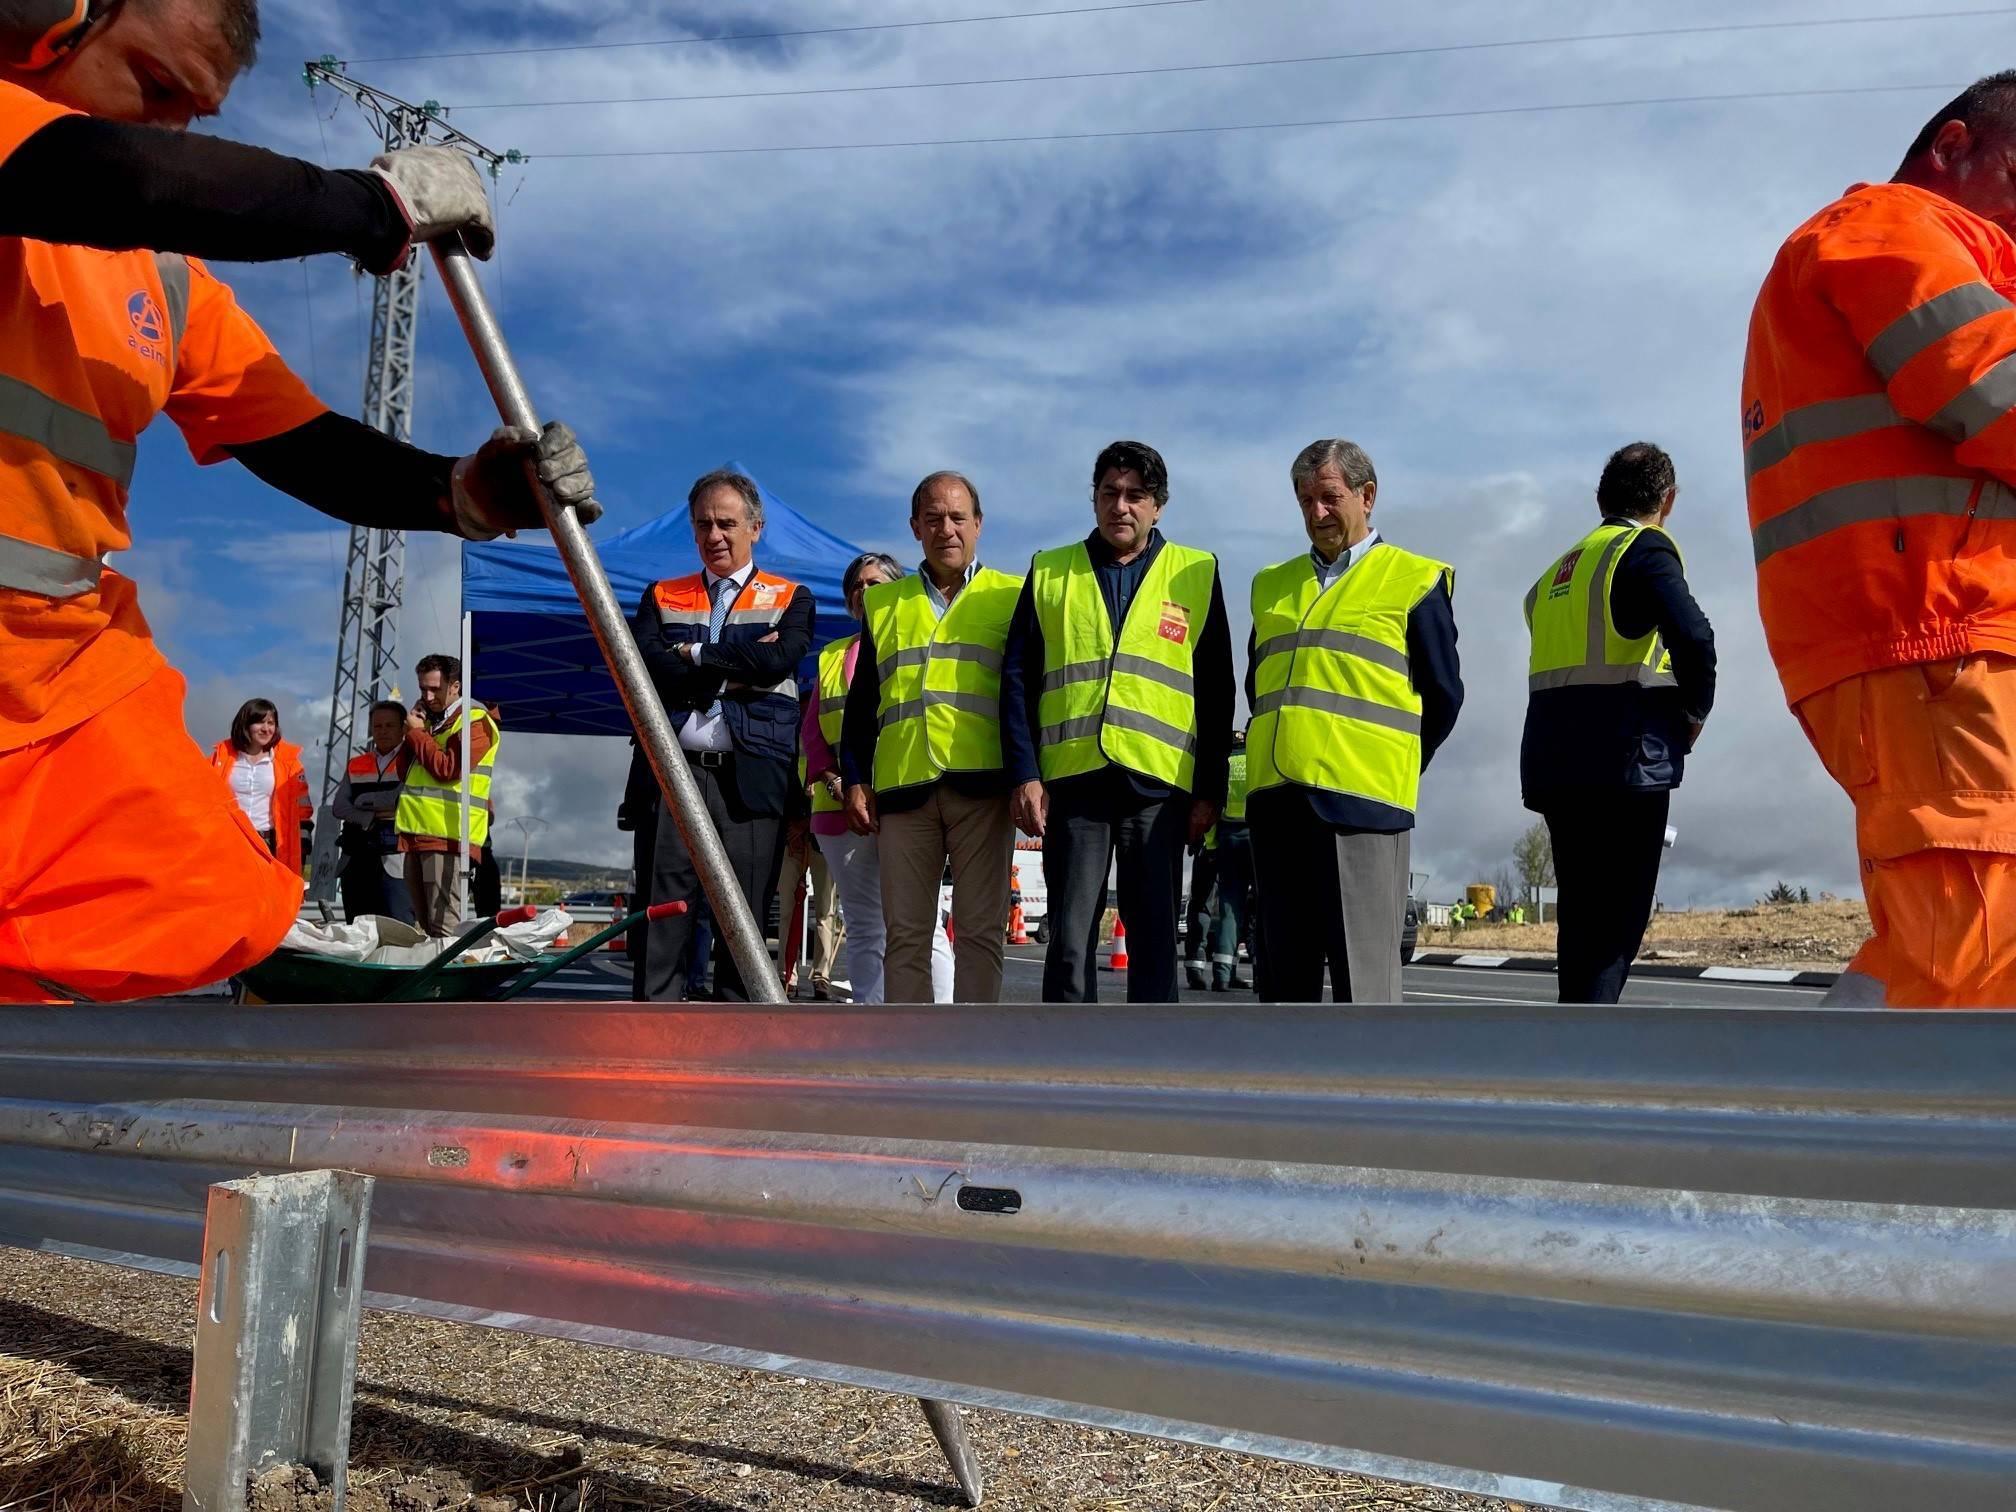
[(722, 592)]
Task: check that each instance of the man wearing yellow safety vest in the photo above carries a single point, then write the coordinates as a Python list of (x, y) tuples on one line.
[(1621, 677), (1354, 683), (920, 748), (1116, 708), (855, 860), (429, 816), (1232, 840)]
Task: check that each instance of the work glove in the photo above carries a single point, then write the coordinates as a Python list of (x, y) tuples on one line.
[(491, 495), (439, 192)]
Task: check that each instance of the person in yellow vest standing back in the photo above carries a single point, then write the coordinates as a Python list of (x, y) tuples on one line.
[(1620, 679), (429, 816), (921, 748), (1233, 841), (1117, 702), (1354, 683)]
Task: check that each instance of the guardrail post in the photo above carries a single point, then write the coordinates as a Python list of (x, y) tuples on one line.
[(950, 1429), (276, 1333)]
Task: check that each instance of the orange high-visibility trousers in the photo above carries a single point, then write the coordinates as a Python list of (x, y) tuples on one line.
[(126, 867), (1924, 751)]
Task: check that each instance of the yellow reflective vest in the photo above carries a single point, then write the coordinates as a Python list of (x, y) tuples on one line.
[(832, 710), (1575, 641), (1235, 787), (1133, 702), (429, 806), (1334, 706), (940, 709)]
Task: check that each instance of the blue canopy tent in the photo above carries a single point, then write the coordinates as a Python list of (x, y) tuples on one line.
[(536, 659)]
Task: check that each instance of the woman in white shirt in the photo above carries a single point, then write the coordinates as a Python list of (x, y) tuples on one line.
[(267, 779)]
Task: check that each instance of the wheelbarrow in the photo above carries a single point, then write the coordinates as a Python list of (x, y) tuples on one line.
[(301, 976)]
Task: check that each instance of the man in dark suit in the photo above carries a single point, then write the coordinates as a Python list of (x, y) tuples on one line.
[(1621, 679), (723, 646)]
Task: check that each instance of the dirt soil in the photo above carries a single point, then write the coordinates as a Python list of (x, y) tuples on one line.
[(1795, 936), (94, 1384)]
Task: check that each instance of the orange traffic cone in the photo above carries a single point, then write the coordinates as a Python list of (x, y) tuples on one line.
[(1119, 961)]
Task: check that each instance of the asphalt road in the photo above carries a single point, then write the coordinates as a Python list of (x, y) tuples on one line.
[(610, 978)]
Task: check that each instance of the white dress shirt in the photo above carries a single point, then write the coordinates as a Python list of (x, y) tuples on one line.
[(252, 786), (1328, 572), (706, 729), (939, 603)]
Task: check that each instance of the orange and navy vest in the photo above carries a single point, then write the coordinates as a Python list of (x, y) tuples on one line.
[(364, 778), (761, 721)]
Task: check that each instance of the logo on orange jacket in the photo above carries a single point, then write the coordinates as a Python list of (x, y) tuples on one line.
[(150, 326)]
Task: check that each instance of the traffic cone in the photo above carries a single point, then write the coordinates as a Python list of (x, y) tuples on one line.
[(1119, 960)]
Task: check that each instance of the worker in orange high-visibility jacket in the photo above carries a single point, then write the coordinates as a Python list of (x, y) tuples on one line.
[(1879, 428), (126, 867)]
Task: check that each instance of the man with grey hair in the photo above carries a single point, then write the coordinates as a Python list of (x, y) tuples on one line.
[(723, 646), (1354, 683)]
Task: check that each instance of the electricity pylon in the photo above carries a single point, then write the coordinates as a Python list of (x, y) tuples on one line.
[(374, 572)]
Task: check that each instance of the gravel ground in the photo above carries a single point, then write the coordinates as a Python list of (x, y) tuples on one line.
[(94, 1381), (1792, 936)]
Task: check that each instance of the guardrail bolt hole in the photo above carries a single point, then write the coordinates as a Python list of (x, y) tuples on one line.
[(982, 1199)]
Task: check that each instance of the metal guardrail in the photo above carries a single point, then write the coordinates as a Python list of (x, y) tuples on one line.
[(1594, 1259)]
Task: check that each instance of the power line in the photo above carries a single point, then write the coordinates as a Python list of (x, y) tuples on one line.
[(1183, 68), (1165, 131), (814, 31)]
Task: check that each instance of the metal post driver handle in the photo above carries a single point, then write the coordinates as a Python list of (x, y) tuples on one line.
[(612, 632)]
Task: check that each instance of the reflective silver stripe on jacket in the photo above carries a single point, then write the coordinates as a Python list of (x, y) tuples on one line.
[(41, 569), (985, 656), (752, 617), (1345, 642), (915, 708), (1876, 499), (1154, 671), (1072, 673), (913, 656), (1087, 726), (1581, 677), (1337, 703), (896, 661), (1933, 321), (1980, 404), (1829, 420), (76, 436), (174, 270)]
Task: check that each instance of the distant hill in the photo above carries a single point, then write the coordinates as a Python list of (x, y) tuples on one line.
[(570, 871)]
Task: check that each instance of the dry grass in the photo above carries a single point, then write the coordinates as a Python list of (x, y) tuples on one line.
[(1798, 936), (68, 1443), (94, 1371)]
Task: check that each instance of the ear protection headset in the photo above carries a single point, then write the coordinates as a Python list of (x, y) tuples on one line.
[(37, 33)]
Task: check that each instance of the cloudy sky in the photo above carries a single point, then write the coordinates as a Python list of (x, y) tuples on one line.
[(1488, 296)]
